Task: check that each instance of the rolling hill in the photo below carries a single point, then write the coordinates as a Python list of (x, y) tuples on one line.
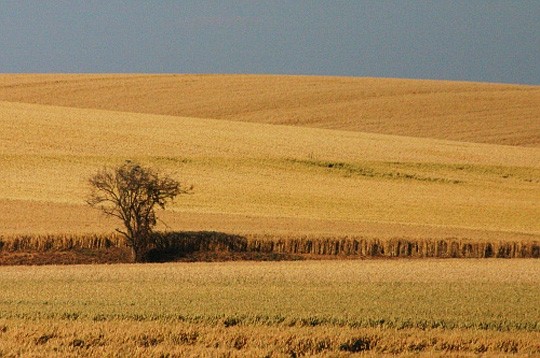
[(260, 174), (460, 111)]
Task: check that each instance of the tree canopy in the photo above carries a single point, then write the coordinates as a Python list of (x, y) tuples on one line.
[(131, 193)]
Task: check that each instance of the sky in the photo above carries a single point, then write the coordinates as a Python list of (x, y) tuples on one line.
[(471, 40)]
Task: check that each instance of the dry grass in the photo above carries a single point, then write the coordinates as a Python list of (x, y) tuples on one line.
[(474, 112), (330, 308), (46, 338), (217, 246)]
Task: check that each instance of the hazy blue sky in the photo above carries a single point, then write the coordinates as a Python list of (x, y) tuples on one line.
[(495, 41)]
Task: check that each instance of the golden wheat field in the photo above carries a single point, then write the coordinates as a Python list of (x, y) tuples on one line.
[(280, 165), (324, 308), (267, 178), (473, 112)]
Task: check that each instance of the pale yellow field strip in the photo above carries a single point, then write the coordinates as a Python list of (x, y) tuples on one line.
[(30, 217), (473, 112)]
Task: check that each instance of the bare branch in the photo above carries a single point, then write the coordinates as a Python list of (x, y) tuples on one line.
[(130, 193)]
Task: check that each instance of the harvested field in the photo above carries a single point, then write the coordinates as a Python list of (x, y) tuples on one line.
[(472, 112)]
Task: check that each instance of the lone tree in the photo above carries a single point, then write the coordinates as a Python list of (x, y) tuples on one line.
[(131, 192)]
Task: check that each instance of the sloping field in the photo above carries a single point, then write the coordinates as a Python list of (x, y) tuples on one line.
[(265, 181), (472, 112), (253, 177)]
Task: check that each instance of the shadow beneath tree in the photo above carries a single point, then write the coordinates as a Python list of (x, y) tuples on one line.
[(206, 246)]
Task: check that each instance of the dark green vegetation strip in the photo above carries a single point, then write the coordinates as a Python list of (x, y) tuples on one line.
[(371, 171), (424, 172)]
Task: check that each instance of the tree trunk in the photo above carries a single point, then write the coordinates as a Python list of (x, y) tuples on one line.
[(139, 247), (138, 254)]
